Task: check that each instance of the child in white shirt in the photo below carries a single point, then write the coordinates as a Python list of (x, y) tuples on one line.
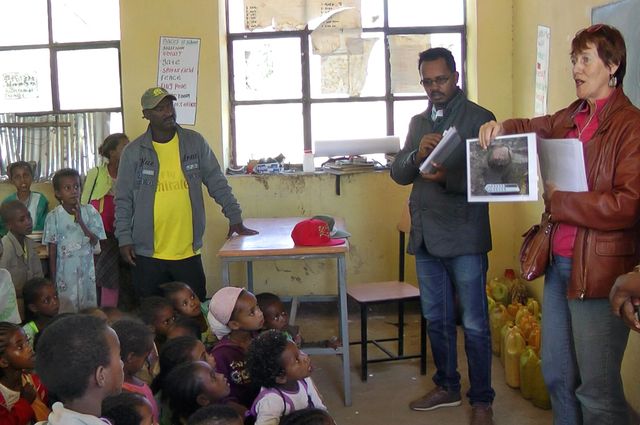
[(283, 371)]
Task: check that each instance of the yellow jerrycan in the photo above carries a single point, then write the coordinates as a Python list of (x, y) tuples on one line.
[(540, 394), (528, 364), (503, 337), (514, 346), (497, 319)]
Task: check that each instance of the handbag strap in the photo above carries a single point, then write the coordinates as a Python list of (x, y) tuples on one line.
[(94, 184)]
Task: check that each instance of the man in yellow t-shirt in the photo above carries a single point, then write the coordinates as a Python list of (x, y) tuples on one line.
[(160, 216)]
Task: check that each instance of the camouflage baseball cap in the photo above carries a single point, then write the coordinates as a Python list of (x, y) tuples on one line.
[(153, 96)]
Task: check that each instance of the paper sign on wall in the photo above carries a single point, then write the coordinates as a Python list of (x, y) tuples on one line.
[(178, 73), (542, 70)]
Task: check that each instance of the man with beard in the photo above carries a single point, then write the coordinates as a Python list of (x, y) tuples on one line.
[(160, 216), (450, 239)]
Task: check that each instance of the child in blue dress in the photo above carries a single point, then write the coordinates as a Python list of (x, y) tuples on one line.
[(72, 231)]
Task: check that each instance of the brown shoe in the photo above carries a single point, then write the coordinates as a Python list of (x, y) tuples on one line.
[(437, 397), (481, 414)]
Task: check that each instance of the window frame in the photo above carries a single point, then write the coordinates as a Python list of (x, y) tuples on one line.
[(306, 100), (54, 48)]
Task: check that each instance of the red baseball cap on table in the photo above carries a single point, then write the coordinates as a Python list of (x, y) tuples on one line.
[(313, 232)]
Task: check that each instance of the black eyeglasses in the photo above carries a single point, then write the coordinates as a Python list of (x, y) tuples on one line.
[(428, 82)]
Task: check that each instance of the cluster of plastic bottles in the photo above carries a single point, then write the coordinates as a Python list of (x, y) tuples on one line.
[(516, 336)]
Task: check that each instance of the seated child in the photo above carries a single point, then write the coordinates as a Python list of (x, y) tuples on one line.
[(21, 175), (127, 409), (283, 371), (8, 301), (187, 304), (19, 255), (157, 313), (23, 398), (215, 414), (72, 231), (41, 305), (176, 351), (235, 318), (308, 416), (79, 361), (136, 343), (276, 317), (182, 349), (190, 386)]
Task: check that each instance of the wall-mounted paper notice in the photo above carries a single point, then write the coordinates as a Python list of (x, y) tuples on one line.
[(542, 70), (347, 147), (178, 73)]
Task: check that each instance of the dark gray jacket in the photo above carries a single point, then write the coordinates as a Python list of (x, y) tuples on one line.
[(440, 214), (138, 178)]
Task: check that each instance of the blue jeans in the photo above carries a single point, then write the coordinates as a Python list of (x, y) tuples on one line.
[(582, 349), (600, 339), (440, 280), (559, 366)]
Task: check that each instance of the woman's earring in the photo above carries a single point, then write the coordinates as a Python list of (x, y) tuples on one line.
[(613, 81)]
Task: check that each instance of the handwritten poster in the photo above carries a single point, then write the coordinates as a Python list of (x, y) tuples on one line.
[(542, 70), (20, 85), (178, 73)]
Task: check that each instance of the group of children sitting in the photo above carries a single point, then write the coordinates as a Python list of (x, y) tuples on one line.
[(175, 361)]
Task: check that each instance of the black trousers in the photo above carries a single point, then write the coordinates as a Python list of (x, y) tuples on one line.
[(149, 273)]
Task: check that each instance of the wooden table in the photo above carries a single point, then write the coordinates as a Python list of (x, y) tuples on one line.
[(274, 243)]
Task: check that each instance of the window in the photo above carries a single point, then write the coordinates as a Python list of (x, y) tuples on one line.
[(306, 70), (59, 82)]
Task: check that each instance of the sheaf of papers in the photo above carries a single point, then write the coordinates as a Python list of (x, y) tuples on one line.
[(562, 164), (450, 140)]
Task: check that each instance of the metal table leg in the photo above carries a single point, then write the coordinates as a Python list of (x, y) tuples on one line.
[(364, 341), (250, 276), (225, 273), (344, 328)]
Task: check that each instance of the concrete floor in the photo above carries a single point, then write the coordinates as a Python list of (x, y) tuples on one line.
[(384, 398)]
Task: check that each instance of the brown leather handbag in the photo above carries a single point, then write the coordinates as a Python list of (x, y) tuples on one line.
[(535, 252)]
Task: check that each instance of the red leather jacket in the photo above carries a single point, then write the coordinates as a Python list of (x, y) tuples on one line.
[(608, 215)]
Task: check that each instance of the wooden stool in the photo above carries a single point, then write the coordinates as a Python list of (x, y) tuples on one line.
[(385, 292)]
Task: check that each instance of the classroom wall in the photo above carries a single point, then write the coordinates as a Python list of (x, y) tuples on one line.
[(527, 15), (489, 73)]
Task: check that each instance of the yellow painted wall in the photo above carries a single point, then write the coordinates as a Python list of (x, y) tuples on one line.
[(527, 15), (489, 63)]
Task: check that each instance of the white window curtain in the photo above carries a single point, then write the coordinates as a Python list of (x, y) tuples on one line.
[(52, 141)]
